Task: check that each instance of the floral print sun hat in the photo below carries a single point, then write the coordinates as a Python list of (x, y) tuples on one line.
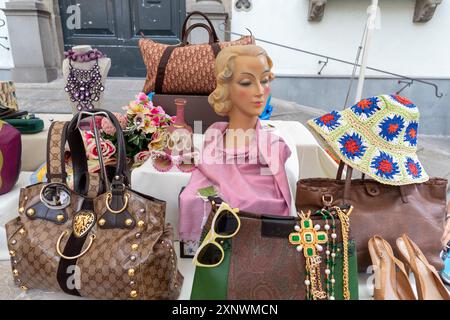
[(377, 136)]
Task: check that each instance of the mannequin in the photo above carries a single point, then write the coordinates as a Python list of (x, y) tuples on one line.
[(104, 64), (244, 162)]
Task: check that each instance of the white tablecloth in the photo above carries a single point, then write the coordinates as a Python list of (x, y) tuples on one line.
[(308, 160)]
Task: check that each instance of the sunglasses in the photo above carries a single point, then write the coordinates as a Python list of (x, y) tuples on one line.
[(164, 162), (225, 225), (55, 196)]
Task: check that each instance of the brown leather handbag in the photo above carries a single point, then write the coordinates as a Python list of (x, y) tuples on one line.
[(184, 68), (113, 246), (389, 211)]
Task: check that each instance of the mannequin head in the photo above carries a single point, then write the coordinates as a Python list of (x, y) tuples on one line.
[(243, 75)]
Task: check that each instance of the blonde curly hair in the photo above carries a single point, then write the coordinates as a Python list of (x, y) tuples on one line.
[(219, 98)]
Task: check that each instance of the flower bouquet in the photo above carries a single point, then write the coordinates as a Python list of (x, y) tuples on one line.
[(145, 129)]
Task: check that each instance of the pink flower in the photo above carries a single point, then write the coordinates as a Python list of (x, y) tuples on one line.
[(148, 126), (122, 120), (109, 128), (148, 105), (154, 111), (108, 149), (87, 136), (160, 110), (173, 119), (141, 157), (142, 97), (155, 122)]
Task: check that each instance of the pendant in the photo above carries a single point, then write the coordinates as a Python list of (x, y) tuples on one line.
[(309, 239)]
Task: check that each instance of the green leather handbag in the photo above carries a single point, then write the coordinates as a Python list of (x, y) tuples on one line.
[(260, 263)]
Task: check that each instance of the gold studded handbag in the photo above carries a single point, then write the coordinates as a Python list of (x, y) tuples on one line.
[(112, 246)]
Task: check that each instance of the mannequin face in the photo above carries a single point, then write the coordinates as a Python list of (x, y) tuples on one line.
[(249, 87)]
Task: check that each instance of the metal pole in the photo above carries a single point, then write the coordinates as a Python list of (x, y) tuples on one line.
[(370, 26)]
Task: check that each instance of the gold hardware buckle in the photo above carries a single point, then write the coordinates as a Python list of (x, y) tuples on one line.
[(108, 199), (327, 200), (58, 244)]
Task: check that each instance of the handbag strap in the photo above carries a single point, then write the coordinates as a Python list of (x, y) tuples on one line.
[(183, 29), (212, 37), (403, 190), (341, 169), (348, 180), (56, 141), (14, 115), (160, 74), (121, 177), (56, 164)]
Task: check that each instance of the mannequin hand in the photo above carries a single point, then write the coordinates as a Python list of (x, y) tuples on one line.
[(446, 237)]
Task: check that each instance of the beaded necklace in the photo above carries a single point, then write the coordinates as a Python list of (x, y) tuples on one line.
[(87, 56), (310, 240), (84, 86)]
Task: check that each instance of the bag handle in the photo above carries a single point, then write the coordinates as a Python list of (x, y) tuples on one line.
[(56, 141), (121, 178), (183, 29), (341, 170), (403, 190), (212, 37), (213, 42), (56, 164)]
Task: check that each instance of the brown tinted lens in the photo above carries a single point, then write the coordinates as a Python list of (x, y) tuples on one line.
[(226, 223), (186, 167), (163, 162), (210, 254)]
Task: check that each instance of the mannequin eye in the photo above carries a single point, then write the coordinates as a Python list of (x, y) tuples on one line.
[(245, 83), (265, 81)]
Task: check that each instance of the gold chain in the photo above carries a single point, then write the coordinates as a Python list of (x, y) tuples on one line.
[(345, 227), (314, 275), (320, 294)]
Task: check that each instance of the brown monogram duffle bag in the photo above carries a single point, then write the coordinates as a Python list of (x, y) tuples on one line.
[(184, 68)]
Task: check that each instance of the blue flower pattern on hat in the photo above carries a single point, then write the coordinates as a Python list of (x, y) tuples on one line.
[(391, 127), (385, 166), (411, 133), (413, 168), (329, 120), (366, 107), (377, 136), (352, 146)]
